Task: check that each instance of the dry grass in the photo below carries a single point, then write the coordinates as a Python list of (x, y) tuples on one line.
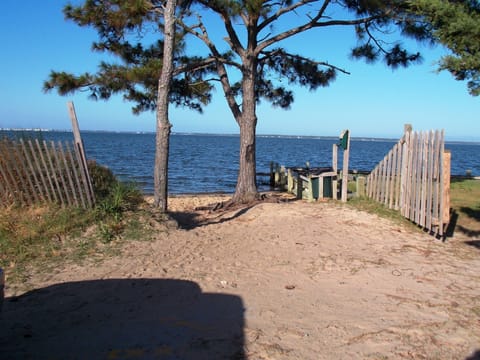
[(465, 204)]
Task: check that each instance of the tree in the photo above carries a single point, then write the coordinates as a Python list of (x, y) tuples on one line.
[(456, 24), (142, 74), (162, 140), (254, 27)]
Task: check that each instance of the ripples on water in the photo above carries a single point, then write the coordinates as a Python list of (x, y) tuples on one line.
[(209, 163)]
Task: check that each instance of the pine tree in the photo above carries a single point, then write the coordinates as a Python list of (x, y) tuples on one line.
[(256, 66), (456, 25), (254, 31), (149, 76)]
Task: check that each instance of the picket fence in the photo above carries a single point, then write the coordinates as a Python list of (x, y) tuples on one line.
[(414, 178), (33, 171)]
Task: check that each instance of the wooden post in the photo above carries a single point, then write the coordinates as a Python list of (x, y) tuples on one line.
[(78, 184), (361, 186), (320, 187), (299, 187), (346, 154), (447, 158), (310, 189), (272, 176), (277, 175), (283, 178), (290, 184), (79, 146), (407, 128), (335, 170)]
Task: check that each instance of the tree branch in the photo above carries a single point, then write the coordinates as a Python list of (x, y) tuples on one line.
[(288, 9), (232, 39), (310, 25), (220, 65), (298, 57), (205, 63)]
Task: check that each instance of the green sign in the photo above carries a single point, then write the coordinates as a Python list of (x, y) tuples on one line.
[(343, 141)]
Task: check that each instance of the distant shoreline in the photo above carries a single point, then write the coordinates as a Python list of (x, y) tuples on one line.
[(354, 138)]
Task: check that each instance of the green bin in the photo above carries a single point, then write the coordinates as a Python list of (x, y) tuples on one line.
[(327, 187), (314, 187)]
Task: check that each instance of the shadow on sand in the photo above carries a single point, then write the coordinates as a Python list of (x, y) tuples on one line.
[(218, 213), (122, 319), (189, 220)]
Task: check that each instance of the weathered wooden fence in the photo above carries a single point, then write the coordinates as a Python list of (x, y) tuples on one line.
[(34, 171), (414, 177)]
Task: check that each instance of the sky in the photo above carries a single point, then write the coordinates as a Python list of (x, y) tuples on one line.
[(372, 101)]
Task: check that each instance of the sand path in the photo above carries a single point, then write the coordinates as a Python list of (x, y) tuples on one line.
[(289, 280)]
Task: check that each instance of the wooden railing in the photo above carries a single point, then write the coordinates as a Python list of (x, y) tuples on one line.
[(33, 171), (414, 177)]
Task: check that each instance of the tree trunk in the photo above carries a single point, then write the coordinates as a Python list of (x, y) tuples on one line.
[(162, 142), (246, 190)]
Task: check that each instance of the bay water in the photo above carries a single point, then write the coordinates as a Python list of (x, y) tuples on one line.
[(204, 163)]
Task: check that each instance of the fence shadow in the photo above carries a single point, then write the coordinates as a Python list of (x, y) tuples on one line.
[(474, 356), (471, 213), (120, 319), (452, 224)]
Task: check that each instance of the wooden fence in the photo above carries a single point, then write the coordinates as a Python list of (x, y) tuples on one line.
[(414, 177), (33, 171)]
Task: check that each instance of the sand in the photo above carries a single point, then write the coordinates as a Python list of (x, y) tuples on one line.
[(281, 279)]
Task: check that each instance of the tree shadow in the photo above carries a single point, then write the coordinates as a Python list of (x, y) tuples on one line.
[(120, 319), (219, 212), (189, 220)]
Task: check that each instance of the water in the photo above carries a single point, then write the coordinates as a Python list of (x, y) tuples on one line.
[(209, 163)]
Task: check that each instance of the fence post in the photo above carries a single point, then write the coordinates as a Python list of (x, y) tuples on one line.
[(361, 186), (335, 170), (346, 153), (79, 145), (272, 176), (447, 158), (290, 184)]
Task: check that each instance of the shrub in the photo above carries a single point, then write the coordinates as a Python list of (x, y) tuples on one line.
[(113, 199)]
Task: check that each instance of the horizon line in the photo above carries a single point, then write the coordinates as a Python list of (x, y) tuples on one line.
[(464, 139)]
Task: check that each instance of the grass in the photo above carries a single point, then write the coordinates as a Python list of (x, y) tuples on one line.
[(37, 234), (41, 236), (373, 207), (464, 204)]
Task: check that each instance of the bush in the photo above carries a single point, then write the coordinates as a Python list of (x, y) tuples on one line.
[(113, 199), (103, 179)]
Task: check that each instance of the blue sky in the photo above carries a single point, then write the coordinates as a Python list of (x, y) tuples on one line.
[(372, 101)]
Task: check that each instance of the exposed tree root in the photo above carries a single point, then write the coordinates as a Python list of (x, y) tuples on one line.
[(233, 204)]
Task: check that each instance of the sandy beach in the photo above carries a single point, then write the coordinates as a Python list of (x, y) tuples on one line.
[(281, 279)]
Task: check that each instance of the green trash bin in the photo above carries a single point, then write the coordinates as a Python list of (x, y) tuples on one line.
[(314, 187), (327, 187)]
